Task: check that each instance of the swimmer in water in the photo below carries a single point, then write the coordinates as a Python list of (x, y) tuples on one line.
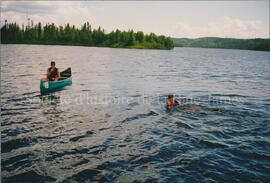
[(189, 107), (172, 102)]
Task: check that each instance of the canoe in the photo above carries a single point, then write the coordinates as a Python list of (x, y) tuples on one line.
[(64, 80)]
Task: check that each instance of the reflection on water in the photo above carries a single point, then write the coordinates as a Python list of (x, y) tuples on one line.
[(49, 100), (111, 124)]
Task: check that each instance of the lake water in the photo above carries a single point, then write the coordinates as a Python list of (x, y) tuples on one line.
[(111, 125)]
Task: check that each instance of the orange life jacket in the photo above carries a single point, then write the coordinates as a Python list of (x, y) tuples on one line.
[(170, 104)]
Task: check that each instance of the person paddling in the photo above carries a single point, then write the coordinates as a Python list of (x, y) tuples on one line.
[(172, 102), (53, 73)]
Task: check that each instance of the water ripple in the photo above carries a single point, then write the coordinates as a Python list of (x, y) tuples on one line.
[(221, 134)]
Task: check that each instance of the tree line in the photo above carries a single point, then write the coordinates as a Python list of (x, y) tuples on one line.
[(12, 33), (215, 42)]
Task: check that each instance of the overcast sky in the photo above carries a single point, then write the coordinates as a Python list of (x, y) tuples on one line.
[(193, 19)]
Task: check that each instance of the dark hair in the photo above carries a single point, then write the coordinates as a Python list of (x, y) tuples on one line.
[(52, 63), (170, 96)]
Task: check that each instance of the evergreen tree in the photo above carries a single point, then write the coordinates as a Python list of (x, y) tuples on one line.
[(52, 34), (39, 31)]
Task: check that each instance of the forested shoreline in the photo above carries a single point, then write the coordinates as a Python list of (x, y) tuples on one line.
[(227, 43), (51, 34)]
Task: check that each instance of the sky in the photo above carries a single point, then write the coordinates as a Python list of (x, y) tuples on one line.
[(189, 19)]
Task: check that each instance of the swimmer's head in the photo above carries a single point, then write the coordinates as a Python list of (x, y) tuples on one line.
[(170, 96)]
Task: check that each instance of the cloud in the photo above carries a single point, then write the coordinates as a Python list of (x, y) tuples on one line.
[(79, 12), (46, 12), (31, 7), (224, 27)]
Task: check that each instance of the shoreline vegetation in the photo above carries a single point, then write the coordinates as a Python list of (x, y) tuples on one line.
[(257, 44), (50, 34)]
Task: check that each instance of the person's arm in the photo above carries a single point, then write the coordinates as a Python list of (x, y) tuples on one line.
[(178, 102), (58, 74), (48, 74)]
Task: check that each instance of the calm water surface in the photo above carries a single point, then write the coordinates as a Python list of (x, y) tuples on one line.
[(111, 125)]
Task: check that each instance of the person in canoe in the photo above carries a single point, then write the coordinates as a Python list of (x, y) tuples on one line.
[(172, 102), (53, 73)]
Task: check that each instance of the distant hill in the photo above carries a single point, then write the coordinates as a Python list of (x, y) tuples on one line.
[(230, 43)]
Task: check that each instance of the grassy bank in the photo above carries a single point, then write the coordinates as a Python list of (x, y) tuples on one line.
[(137, 46)]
